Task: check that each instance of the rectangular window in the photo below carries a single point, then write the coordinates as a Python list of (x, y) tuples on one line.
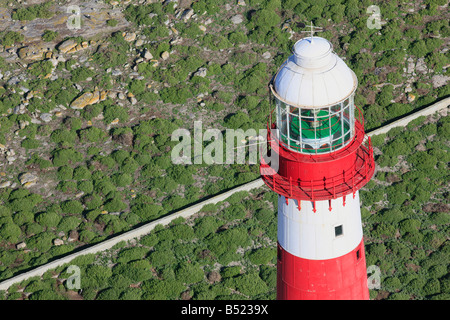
[(358, 255), (338, 231)]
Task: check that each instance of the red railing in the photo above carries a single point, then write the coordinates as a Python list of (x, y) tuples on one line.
[(347, 182), (327, 188)]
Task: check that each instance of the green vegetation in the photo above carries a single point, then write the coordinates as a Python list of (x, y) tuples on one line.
[(49, 35), (97, 176), (406, 233), (33, 11), (9, 38), (111, 22), (228, 251), (81, 74), (41, 68), (181, 260)]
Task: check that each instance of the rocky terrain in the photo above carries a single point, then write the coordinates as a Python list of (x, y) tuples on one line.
[(94, 15), (87, 113)]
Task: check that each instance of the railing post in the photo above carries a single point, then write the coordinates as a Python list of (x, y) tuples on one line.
[(353, 182), (343, 177), (334, 187), (366, 165), (290, 186)]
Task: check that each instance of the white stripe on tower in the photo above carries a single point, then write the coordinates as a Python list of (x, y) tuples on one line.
[(323, 234)]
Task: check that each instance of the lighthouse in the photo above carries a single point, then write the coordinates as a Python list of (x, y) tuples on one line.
[(324, 158)]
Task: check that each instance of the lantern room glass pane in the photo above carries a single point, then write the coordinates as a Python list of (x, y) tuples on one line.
[(316, 130), (346, 123), (281, 116), (294, 133), (346, 102)]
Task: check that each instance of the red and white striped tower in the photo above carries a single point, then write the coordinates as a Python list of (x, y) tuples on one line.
[(324, 159)]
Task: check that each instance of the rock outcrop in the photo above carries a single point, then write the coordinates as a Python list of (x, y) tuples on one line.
[(88, 98), (32, 53)]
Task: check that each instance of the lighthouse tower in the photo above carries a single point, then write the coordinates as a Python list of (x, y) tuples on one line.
[(324, 158)]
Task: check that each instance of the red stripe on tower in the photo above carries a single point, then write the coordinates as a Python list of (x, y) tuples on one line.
[(342, 278)]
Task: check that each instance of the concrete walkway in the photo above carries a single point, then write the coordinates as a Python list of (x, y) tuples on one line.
[(438, 106), (145, 229)]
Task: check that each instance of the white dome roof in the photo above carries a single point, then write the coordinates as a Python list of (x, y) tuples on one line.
[(314, 76)]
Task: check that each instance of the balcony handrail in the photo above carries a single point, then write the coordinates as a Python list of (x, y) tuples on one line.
[(344, 183)]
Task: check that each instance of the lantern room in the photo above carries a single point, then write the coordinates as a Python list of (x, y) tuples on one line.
[(313, 92)]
